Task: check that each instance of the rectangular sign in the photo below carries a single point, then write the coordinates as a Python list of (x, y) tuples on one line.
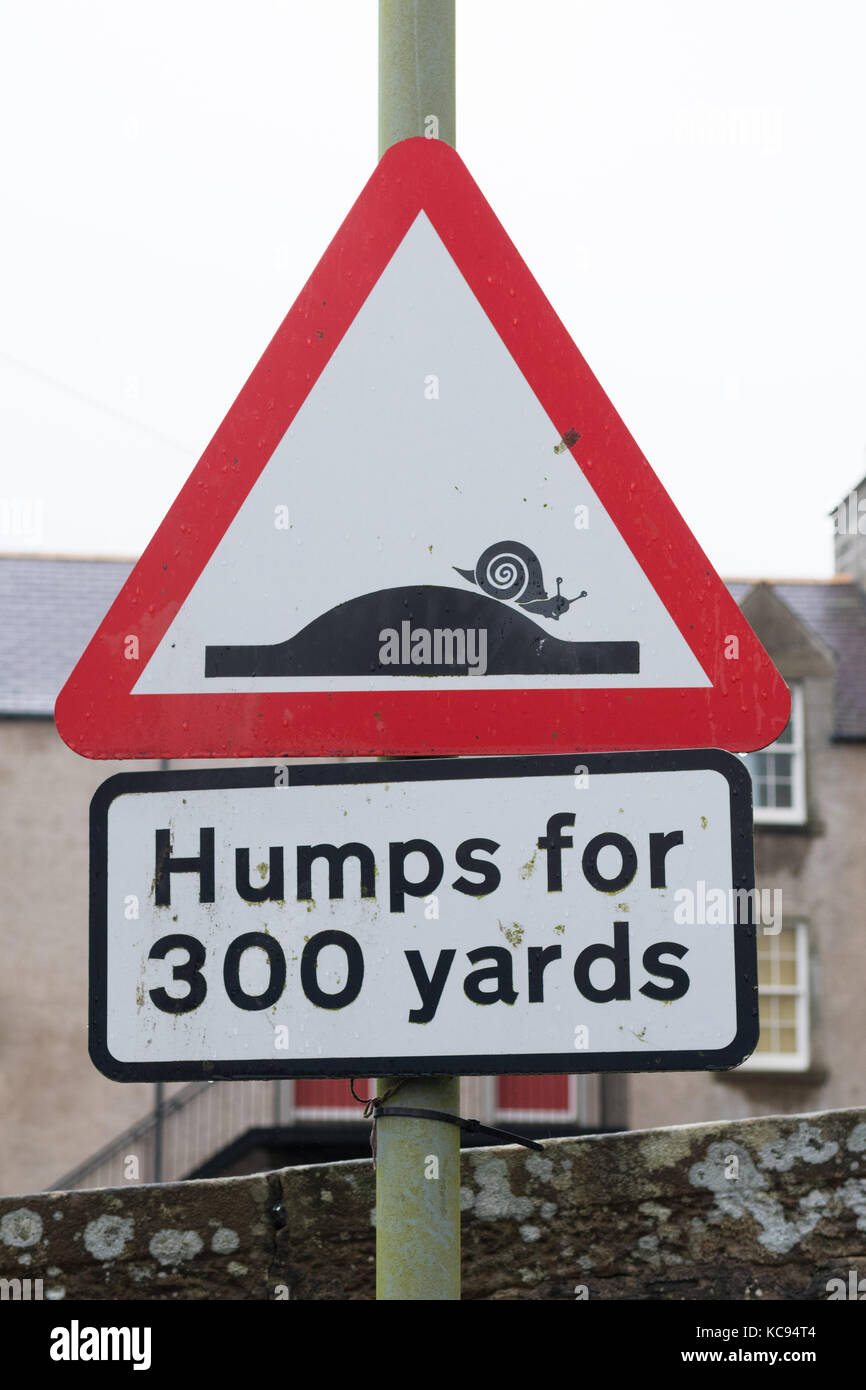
[(485, 915)]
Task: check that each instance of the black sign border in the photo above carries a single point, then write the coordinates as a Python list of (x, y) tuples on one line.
[(428, 770)]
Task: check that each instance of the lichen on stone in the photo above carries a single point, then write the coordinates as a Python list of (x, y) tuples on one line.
[(495, 1201), (808, 1144), (105, 1238), (857, 1139), (21, 1228), (171, 1247), (224, 1241)]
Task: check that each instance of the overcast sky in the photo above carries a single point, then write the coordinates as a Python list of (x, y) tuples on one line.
[(685, 179)]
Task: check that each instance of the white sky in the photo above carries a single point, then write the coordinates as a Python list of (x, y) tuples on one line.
[(685, 180)]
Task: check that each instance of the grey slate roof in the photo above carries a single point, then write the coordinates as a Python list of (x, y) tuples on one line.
[(50, 608), (836, 612)]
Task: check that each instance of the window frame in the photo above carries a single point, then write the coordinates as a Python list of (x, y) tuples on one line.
[(324, 1114), (796, 814), (526, 1115), (799, 1061)]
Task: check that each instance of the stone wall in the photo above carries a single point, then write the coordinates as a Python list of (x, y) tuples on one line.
[(756, 1209)]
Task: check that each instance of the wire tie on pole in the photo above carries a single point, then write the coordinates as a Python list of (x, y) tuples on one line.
[(375, 1107), (371, 1110), (470, 1126)]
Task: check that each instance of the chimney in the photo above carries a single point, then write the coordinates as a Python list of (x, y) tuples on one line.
[(849, 535)]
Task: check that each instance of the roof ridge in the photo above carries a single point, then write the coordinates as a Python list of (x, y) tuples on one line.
[(766, 579), (89, 559)]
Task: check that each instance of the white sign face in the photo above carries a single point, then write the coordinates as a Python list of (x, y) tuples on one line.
[(552, 914), (454, 515)]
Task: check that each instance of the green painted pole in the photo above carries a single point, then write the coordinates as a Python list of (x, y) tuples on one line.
[(416, 71), (418, 1194), (417, 1161)]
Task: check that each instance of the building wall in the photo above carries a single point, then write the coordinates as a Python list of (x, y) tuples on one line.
[(56, 1108), (821, 870)]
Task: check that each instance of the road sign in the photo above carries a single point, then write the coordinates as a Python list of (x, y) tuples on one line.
[(421, 528), (430, 917)]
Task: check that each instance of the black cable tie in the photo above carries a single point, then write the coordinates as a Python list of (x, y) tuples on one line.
[(471, 1126)]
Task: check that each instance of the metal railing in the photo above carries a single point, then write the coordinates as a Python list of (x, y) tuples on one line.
[(178, 1135), (184, 1132)]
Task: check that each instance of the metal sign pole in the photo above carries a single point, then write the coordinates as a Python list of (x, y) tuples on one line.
[(416, 71), (418, 1160), (418, 1194)]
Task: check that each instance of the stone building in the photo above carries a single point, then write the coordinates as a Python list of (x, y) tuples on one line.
[(810, 806), (63, 1119)]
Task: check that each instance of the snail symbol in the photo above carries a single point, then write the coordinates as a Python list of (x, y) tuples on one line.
[(510, 570)]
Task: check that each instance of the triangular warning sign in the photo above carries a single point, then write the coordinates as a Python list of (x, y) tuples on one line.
[(421, 528)]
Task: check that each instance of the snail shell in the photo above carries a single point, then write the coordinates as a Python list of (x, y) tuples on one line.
[(510, 570)]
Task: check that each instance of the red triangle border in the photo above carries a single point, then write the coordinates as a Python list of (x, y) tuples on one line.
[(746, 707)]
